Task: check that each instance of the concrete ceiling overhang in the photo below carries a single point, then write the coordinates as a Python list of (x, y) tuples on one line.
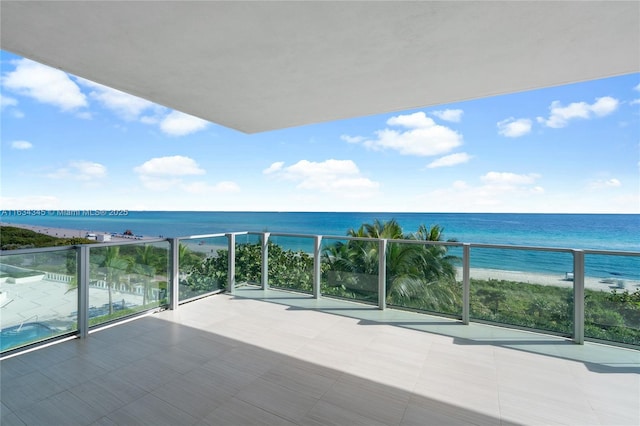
[(257, 66)]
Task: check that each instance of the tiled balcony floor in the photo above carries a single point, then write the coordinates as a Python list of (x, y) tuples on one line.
[(240, 360)]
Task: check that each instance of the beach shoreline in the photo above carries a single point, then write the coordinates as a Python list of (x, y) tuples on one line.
[(73, 233), (551, 279)]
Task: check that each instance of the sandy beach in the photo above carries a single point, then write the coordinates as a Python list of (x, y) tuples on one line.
[(594, 283), (72, 233), (558, 280)]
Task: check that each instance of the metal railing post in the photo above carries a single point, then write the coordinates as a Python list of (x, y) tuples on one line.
[(578, 296), (83, 291), (231, 271), (382, 274), (466, 282), (316, 266), (265, 261), (174, 285)]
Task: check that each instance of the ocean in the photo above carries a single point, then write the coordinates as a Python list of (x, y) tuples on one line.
[(618, 232)]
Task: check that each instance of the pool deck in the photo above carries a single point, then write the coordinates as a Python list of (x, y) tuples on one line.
[(278, 358)]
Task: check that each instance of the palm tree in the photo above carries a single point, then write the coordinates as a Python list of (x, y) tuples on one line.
[(146, 257), (436, 263), (414, 272), (114, 266)]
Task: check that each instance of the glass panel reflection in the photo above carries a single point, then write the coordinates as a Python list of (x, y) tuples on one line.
[(38, 296), (535, 291), (203, 266), (423, 276), (350, 269), (126, 279), (612, 298), (291, 263)]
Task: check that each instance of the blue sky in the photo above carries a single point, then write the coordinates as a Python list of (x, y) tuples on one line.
[(68, 143)]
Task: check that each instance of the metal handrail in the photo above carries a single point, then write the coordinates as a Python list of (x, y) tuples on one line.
[(84, 249)]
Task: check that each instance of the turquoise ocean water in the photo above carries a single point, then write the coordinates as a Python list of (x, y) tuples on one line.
[(577, 231)]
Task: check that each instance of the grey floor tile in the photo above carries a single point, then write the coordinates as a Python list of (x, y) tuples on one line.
[(4, 410), (15, 367), (277, 400), (250, 359), (299, 379), (122, 389), (73, 371), (236, 412), (23, 391), (151, 410), (12, 420), (104, 421), (208, 362), (100, 396), (144, 374), (52, 354), (425, 411), (63, 408), (226, 376), (195, 394), (327, 414), (180, 360), (369, 399)]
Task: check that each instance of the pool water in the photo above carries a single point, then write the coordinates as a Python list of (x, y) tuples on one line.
[(20, 335)]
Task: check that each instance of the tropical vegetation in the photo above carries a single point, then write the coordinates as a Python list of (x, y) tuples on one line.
[(419, 275), (13, 238)]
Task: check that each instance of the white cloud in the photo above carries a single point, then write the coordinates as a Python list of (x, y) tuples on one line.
[(273, 168), (605, 183), (416, 120), (180, 124), (176, 165), (637, 88), (495, 192), (424, 137), (44, 84), (561, 115), (340, 177), (352, 139), (453, 115), (509, 179), (604, 106), (21, 145), (450, 160), (513, 128), (635, 102), (80, 170), (127, 106), (6, 101), (165, 173)]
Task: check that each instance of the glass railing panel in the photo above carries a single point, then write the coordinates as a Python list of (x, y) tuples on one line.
[(523, 287), (612, 298), (291, 263), (350, 269), (203, 265), (127, 278), (248, 259), (423, 277), (38, 296)]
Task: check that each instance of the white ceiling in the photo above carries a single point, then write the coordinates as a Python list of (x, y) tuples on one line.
[(256, 66)]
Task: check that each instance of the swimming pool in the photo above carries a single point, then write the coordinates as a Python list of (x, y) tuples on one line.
[(23, 334)]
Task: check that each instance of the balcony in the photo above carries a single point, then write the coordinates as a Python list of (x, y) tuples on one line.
[(267, 352)]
